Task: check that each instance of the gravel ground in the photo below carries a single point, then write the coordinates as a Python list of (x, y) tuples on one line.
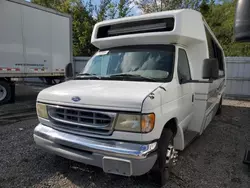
[(25, 99), (212, 160)]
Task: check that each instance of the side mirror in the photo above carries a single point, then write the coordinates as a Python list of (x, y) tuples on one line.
[(210, 69), (242, 21), (69, 71)]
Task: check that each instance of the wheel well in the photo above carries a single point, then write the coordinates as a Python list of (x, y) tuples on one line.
[(172, 124)]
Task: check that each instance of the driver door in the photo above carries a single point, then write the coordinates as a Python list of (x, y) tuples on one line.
[(185, 89)]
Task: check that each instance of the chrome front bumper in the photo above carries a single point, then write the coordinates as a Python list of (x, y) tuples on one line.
[(115, 157)]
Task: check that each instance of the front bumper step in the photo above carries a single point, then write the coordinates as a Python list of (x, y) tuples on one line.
[(115, 157)]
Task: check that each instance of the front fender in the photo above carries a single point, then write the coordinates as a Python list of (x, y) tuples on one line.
[(164, 112)]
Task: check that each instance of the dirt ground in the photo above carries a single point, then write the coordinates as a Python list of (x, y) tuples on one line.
[(213, 160)]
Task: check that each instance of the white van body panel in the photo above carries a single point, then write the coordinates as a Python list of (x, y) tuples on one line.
[(183, 32), (176, 103), (100, 94)]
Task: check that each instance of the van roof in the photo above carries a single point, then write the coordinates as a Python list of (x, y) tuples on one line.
[(148, 15), (188, 28)]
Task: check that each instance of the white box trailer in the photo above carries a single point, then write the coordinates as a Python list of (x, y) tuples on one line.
[(34, 42)]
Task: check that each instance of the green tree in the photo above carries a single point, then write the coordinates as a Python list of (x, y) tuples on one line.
[(101, 10), (85, 15), (218, 14), (112, 10), (124, 8), (148, 6), (108, 9), (48, 3), (82, 24), (220, 17)]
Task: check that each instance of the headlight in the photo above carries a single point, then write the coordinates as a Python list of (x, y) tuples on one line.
[(41, 110), (127, 122), (135, 123)]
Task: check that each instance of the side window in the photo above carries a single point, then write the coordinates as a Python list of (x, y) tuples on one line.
[(219, 56), (215, 51), (98, 65), (183, 67), (210, 44)]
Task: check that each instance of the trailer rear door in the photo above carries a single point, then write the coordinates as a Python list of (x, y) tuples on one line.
[(34, 41), (37, 36), (60, 42), (12, 56)]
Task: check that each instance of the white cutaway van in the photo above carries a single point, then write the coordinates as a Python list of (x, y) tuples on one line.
[(155, 84)]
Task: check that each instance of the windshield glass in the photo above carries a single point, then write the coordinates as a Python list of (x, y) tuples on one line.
[(153, 62)]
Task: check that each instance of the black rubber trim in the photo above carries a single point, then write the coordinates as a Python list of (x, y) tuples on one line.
[(246, 159)]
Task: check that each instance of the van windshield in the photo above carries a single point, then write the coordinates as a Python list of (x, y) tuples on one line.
[(153, 63)]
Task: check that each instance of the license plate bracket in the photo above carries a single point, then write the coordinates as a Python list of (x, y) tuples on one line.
[(118, 166)]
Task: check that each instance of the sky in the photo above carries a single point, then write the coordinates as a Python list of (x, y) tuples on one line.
[(135, 10)]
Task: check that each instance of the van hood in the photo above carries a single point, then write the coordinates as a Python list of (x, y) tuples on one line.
[(99, 94)]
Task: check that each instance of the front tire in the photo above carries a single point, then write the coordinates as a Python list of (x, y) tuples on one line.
[(161, 170)]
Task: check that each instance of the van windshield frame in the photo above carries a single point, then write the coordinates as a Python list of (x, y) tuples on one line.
[(151, 63)]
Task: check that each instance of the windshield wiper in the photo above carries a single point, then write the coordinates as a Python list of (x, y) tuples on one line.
[(87, 76), (136, 77), (133, 76)]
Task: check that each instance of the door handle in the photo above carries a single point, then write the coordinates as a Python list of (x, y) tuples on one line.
[(192, 97)]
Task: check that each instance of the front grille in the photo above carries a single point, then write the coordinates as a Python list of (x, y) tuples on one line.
[(83, 120)]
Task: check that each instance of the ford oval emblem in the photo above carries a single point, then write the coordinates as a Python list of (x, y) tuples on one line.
[(75, 99)]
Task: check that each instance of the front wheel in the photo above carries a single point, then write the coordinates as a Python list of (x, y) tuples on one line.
[(166, 158)]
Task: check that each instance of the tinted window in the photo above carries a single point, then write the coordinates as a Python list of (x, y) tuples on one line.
[(144, 26), (215, 51), (221, 61), (183, 66), (210, 44)]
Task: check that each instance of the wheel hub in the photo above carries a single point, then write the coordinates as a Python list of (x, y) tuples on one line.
[(3, 93), (171, 155)]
